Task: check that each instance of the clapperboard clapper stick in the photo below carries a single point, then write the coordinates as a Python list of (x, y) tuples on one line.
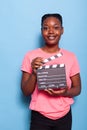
[(51, 76)]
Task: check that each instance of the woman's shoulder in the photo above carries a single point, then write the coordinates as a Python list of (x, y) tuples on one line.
[(67, 52), (31, 54), (33, 51)]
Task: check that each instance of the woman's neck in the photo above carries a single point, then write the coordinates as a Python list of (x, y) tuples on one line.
[(50, 49)]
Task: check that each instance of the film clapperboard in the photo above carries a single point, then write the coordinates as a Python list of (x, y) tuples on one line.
[(51, 76)]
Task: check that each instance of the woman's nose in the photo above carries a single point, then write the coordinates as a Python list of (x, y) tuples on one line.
[(51, 30)]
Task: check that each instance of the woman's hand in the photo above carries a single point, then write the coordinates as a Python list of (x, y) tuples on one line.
[(59, 92), (36, 63)]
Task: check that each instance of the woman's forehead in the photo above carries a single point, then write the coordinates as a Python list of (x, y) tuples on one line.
[(52, 19)]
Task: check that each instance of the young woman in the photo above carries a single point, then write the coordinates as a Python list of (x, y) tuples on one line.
[(50, 109)]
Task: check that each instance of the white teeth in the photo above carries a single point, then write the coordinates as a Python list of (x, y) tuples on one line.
[(51, 38)]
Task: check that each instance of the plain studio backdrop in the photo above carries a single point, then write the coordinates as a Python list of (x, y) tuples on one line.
[(20, 28)]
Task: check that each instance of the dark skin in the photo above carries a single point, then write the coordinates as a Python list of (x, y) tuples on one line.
[(51, 32)]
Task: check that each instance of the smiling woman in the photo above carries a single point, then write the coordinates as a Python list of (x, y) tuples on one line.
[(56, 112), (52, 30)]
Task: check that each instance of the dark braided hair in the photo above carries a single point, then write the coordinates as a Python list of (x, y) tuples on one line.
[(58, 16)]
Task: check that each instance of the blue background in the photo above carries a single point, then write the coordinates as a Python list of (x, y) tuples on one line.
[(20, 32)]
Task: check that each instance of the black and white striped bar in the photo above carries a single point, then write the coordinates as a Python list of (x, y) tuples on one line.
[(51, 66), (52, 58)]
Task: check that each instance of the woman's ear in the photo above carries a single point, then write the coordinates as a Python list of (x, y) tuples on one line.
[(62, 31)]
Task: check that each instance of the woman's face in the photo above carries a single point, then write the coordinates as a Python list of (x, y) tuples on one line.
[(51, 30)]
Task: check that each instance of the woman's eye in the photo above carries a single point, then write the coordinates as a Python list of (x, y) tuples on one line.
[(45, 28), (56, 27)]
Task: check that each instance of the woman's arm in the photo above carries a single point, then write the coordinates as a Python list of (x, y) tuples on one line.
[(75, 89), (28, 83)]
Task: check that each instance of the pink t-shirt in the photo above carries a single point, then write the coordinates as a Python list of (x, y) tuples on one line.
[(49, 106)]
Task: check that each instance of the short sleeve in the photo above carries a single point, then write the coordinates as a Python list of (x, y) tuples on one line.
[(26, 65), (75, 68)]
